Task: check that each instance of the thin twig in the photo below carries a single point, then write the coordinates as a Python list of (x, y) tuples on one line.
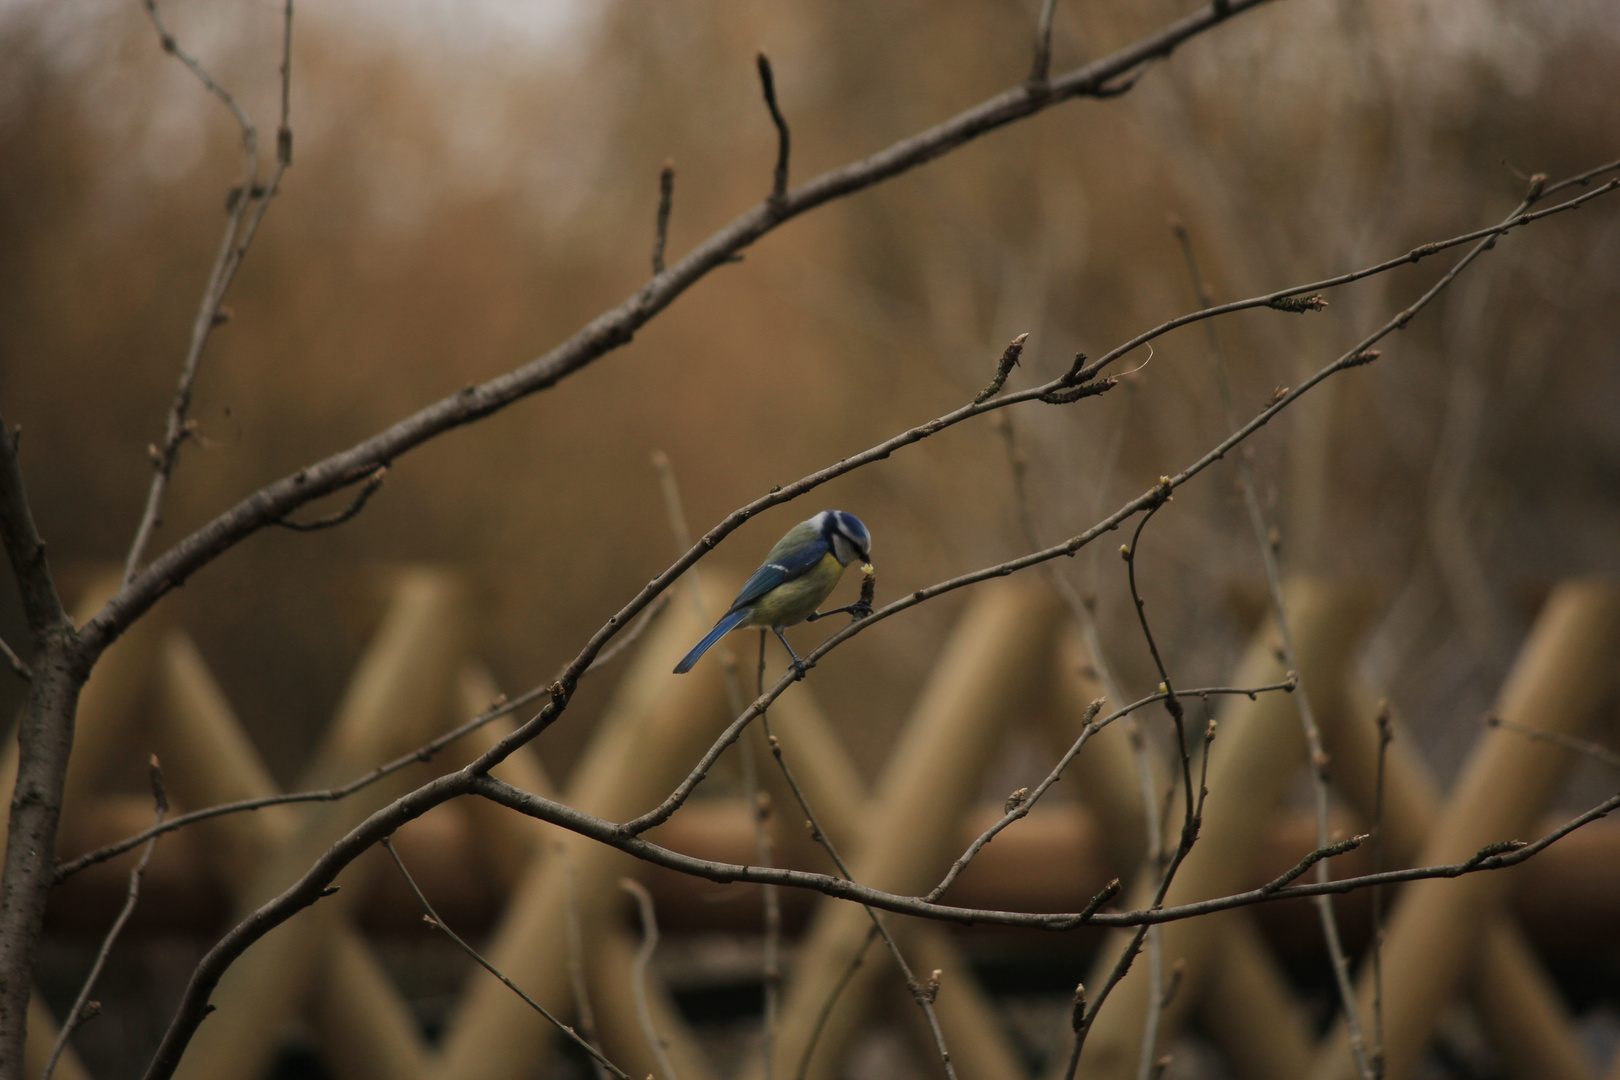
[(1386, 733), (1193, 813), (12, 659), (576, 958), (1090, 725), (618, 326), (1271, 300), (1596, 751), (160, 576), (779, 178), (348, 513), (615, 328), (627, 639), (83, 1008), (759, 806), (666, 201), (1264, 536), (825, 1014), (921, 994), (1043, 46), (245, 210), (433, 920), (771, 974), (503, 706), (1158, 997), (1084, 616), (1193, 819), (1314, 858), (638, 983)]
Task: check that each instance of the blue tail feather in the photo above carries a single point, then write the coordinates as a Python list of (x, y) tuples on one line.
[(720, 630)]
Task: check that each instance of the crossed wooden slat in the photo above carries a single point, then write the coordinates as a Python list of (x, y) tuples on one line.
[(899, 838)]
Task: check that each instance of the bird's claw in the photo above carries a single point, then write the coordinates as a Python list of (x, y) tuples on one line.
[(799, 669), (860, 609)]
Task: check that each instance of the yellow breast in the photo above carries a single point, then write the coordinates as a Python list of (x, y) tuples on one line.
[(791, 601)]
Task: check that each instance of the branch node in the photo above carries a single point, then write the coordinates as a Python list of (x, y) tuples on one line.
[(1004, 366), (1299, 305), (1077, 1012), (1109, 891)]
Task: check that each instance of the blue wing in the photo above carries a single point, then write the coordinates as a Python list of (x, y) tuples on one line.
[(779, 568)]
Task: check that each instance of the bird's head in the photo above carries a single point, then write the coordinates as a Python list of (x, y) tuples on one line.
[(845, 535)]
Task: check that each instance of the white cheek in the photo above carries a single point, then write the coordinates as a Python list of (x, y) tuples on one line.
[(842, 550)]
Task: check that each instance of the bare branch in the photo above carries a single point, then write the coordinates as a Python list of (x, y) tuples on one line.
[(1596, 751), (1043, 46), (14, 661), (245, 210), (433, 920), (612, 329), (348, 513), (501, 707), (825, 1014), (1090, 725), (919, 993), (1264, 535), (1517, 219), (666, 202), (473, 778), (470, 780), (779, 179), (1008, 361), (83, 1008)]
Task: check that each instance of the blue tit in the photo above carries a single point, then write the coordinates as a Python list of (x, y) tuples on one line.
[(799, 573)]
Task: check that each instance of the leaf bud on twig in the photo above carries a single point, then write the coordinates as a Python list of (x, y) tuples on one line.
[(1298, 305)]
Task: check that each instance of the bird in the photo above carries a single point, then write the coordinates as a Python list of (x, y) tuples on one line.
[(798, 574)]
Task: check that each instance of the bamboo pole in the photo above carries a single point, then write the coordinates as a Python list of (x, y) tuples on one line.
[(394, 702), (655, 728), (1253, 760), (1437, 929), (993, 657)]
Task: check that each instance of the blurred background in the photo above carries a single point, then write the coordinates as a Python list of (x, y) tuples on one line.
[(473, 182)]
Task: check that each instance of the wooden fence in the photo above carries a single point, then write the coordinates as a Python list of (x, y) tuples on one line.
[(560, 907)]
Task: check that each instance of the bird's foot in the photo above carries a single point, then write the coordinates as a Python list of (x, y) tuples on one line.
[(799, 669), (860, 609)]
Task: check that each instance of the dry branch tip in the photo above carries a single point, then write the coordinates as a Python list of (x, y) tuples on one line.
[(1004, 366)]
